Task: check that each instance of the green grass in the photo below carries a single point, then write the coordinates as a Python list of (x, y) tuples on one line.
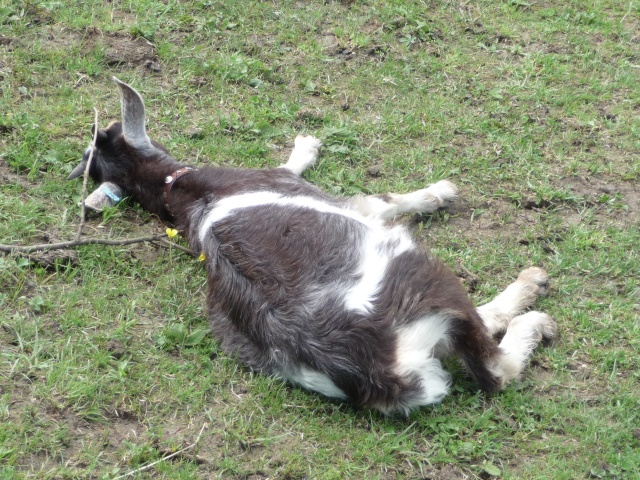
[(530, 107)]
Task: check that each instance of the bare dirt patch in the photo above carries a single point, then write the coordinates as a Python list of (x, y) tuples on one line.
[(8, 177), (52, 417), (601, 191), (493, 217), (122, 50)]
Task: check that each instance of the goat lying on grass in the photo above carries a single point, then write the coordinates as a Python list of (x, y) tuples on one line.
[(318, 290)]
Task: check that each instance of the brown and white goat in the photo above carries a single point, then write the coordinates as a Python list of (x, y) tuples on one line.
[(319, 290)]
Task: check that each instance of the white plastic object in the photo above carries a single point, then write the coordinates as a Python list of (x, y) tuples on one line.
[(106, 195)]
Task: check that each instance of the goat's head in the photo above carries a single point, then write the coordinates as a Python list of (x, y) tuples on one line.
[(125, 155)]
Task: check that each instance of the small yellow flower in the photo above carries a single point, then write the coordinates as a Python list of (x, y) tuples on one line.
[(171, 232), (202, 257)]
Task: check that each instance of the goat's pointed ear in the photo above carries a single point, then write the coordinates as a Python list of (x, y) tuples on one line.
[(101, 137), (133, 126), (78, 171)]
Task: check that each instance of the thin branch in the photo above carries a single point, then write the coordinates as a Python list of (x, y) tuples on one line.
[(628, 12), (91, 241), (166, 242), (86, 174), (164, 459), (200, 460)]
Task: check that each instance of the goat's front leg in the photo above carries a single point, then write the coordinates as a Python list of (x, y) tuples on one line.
[(303, 155), (388, 205)]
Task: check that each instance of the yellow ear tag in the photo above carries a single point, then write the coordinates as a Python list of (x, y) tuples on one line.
[(171, 232), (202, 257)]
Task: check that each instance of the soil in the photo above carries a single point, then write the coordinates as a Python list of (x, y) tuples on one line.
[(123, 50), (120, 50)]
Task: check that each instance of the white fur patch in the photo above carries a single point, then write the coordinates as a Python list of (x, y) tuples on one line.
[(376, 251), (226, 206), (372, 206), (514, 299), (523, 336), (317, 382), (416, 346), (304, 154), (427, 200)]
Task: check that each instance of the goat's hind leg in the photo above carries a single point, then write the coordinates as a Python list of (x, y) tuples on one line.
[(523, 335), (513, 300), (523, 331), (303, 155), (388, 205)]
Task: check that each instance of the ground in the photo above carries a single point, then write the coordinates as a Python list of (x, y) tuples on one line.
[(530, 108)]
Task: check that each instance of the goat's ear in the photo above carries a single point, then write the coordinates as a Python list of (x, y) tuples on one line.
[(78, 171), (133, 126), (81, 167), (101, 137)]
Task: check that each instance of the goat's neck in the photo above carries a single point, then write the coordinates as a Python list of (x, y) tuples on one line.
[(183, 193), (147, 186)]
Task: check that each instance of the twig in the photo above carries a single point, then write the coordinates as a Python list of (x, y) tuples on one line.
[(628, 12), (164, 241), (79, 81), (86, 174), (195, 458), (163, 459), (90, 241)]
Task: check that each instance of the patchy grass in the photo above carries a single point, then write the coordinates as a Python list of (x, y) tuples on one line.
[(532, 108)]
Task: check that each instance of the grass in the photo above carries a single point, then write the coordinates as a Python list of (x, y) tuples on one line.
[(531, 108)]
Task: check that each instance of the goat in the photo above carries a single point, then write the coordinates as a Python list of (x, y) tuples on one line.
[(318, 290)]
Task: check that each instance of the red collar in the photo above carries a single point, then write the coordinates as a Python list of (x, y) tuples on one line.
[(170, 180)]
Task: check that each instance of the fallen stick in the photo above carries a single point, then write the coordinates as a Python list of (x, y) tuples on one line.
[(91, 241), (85, 179), (164, 459)]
